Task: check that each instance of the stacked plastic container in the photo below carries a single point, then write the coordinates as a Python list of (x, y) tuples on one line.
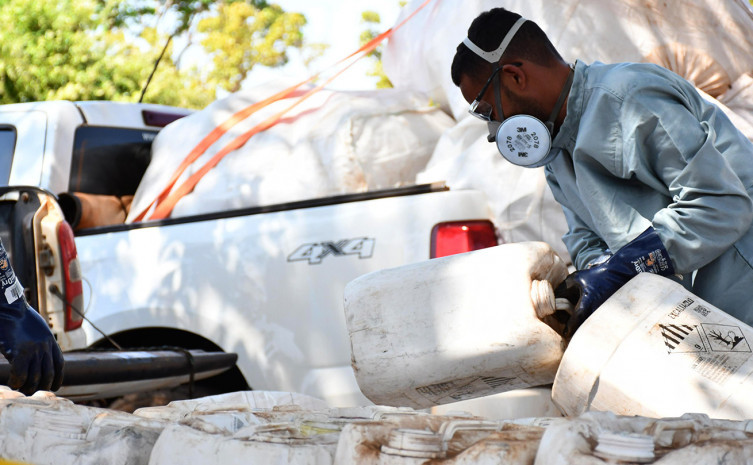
[(290, 429)]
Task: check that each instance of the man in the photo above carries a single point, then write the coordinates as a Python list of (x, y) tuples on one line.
[(651, 177), (25, 338)]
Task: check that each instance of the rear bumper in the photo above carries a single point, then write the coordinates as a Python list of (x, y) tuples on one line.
[(104, 374)]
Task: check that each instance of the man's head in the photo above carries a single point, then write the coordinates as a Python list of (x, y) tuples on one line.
[(521, 70)]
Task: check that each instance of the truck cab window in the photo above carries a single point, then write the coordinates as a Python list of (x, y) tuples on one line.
[(7, 146), (109, 161)]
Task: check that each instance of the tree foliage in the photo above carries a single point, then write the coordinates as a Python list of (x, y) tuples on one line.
[(372, 20), (106, 49), (242, 35)]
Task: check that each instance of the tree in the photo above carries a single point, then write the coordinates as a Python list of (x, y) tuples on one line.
[(371, 18), (241, 36), (106, 49)]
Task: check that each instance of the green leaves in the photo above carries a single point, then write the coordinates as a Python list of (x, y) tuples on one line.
[(241, 36), (106, 49), (372, 19)]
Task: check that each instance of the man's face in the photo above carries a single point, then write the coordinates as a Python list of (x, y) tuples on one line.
[(471, 87), (511, 103)]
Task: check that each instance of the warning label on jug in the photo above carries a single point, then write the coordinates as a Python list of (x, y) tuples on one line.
[(717, 367), (468, 388), (725, 338), (682, 338)]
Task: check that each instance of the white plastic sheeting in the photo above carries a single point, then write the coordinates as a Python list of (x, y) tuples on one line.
[(739, 98), (332, 143), (707, 41)]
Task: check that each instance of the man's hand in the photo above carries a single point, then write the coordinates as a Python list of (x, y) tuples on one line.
[(588, 289), (28, 344)]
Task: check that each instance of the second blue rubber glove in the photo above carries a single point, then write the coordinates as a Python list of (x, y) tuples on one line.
[(588, 289)]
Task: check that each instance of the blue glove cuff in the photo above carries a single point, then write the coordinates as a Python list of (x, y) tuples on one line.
[(650, 256)]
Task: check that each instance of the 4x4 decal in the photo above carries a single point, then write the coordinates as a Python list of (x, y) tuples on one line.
[(314, 253)]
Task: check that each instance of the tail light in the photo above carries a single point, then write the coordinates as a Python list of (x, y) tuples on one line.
[(461, 236), (72, 288)]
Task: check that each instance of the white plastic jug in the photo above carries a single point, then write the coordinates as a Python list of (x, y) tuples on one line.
[(47, 430), (456, 327), (451, 442), (654, 349), (605, 438), (274, 444)]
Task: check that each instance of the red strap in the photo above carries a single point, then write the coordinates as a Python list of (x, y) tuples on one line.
[(167, 199)]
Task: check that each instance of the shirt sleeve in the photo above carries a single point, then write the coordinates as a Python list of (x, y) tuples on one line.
[(583, 244), (672, 142)]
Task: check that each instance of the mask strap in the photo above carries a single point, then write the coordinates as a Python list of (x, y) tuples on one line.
[(495, 55), (498, 98), (560, 101)]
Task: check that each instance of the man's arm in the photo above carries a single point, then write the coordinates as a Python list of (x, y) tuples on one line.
[(25, 338), (710, 208), (584, 245)]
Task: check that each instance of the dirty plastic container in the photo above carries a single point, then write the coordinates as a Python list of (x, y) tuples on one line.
[(453, 441), (606, 438), (456, 327), (262, 427), (235, 404), (271, 444), (47, 430), (655, 349)]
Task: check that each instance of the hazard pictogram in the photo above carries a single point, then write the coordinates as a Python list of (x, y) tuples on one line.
[(726, 338), (682, 338)]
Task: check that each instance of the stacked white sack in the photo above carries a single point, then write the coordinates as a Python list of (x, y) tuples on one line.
[(333, 143), (673, 33)]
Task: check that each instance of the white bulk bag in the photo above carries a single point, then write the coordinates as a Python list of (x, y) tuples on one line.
[(332, 143), (705, 41)]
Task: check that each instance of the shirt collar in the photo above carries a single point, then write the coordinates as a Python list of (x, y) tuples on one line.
[(569, 129)]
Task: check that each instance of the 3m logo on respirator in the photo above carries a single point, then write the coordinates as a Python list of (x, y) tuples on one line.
[(314, 253)]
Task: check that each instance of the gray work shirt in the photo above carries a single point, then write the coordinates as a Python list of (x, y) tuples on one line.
[(640, 147)]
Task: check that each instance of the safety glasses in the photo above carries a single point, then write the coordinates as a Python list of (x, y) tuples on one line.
[(482, 109)]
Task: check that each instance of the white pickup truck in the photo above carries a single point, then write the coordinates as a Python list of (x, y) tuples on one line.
[(265, 282)]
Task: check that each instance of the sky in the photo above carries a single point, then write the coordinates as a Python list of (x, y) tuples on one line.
[(338, 24)]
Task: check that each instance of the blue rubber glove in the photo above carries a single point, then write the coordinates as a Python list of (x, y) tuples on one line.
[(588, 289), (25, 338)]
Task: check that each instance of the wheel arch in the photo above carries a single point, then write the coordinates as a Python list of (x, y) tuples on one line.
[(154, 337)]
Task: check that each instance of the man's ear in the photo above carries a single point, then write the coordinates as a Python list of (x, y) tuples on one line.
[(515, 75)]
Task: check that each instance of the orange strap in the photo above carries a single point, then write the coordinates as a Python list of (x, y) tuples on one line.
[(167, 199), (212, 137), (224, 127)]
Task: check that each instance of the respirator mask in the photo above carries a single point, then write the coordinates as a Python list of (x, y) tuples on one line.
[(523, 140)]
